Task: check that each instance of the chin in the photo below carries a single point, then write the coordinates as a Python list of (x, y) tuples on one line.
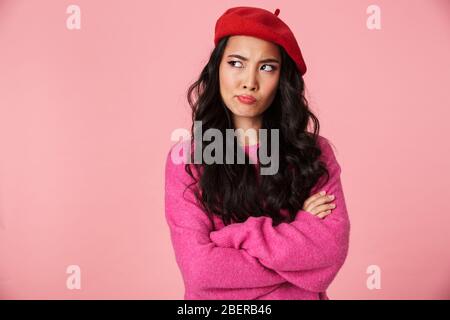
[(250, 115), (246, 112)]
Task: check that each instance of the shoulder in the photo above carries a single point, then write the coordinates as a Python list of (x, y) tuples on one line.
[(178, 153), (325, 144), (328, 151), (176, 160)]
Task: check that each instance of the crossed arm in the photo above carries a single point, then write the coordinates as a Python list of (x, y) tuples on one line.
[(308, 251), (249, 259), (212, 272)]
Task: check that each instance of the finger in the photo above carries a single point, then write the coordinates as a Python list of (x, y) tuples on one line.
[(321, 200), (313, 198), (323, 207), (324, 214)]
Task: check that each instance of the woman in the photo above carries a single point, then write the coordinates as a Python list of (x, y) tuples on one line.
[(238, 234)]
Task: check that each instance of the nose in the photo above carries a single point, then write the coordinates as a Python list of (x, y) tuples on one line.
[(250, 81)]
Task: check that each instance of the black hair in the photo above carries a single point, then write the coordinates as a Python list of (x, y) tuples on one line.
[(235, 192)]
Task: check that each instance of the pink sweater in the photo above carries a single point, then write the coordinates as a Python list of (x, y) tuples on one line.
[(253, 259)]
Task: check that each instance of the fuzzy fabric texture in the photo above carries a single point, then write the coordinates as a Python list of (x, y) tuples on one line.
[(254, 260)]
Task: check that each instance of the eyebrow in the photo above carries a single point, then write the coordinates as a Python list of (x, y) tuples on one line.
[(246, 59)]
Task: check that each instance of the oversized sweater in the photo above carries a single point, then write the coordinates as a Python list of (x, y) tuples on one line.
[(253, 259)]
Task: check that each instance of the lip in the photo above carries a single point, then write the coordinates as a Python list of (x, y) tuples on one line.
[(246, 99)]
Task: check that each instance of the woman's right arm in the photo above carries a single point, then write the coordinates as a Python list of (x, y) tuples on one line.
[(212, 271), (308, 251)]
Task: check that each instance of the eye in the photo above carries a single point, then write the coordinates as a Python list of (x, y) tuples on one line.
[(271, 66), (232, 62)]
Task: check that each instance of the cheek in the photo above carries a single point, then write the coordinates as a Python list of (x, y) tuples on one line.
[(226, 81), (271, 87)]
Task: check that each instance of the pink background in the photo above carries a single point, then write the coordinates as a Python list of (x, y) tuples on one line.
[(86, 117)]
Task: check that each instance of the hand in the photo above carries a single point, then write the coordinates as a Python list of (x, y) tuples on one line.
[(318, 204)]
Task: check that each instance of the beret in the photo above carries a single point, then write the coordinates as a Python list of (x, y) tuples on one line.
[(260, 23)]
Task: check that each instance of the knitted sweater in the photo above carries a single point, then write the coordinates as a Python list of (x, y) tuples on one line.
[(253, 259)]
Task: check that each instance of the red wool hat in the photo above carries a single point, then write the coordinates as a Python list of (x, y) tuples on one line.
[(260, 23)]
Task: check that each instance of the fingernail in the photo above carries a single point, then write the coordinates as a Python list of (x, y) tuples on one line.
[(322, 193), (331, 197)]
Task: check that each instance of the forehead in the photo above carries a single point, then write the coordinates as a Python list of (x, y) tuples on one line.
[(251, 46)]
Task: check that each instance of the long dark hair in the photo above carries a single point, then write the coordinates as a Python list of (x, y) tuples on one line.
[(235, 192)]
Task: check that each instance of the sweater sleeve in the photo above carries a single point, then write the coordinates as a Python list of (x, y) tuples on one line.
[(210, 271), (308, 251)]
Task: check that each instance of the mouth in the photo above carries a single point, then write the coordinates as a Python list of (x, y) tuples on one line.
[(246, 99)]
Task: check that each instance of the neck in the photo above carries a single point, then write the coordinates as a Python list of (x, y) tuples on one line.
[(247, 137)]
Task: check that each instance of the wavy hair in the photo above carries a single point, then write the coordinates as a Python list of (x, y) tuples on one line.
[(234, 192)]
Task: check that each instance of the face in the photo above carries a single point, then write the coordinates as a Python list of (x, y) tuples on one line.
[(250, 67)]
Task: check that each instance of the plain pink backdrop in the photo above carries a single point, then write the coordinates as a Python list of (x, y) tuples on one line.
[(86, 117)]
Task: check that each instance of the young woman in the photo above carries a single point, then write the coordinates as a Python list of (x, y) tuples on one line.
[(238, 234)]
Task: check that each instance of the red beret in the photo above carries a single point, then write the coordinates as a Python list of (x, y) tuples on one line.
[(260, 23)]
